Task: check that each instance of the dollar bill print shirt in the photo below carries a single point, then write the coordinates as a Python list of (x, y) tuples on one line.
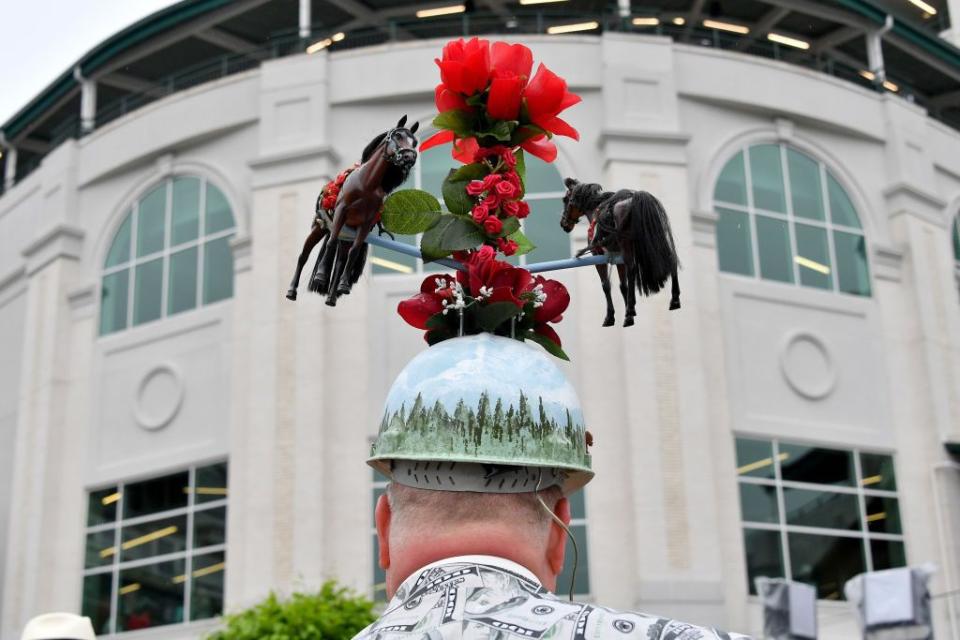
[(490, 598)]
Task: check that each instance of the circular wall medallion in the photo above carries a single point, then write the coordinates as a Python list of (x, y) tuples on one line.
[(159, 397), (806, 365)]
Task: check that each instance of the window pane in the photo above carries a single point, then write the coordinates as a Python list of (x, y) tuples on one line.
[(185, 215), (766, 172), (148, 291), (114, 295), (578, 508), (956, 238), (206, 595), (96, 601), (100, 549), (825, 561), (883, 514), (541, 177), (151, 596), (755, 458), (542, 226), (819, 466), (759, 503), (764, 555), (102, 506), (211, 483), (218, 216), (209, 527), (806, 193), (434, 165), (888, 554), (154, 538), (813, 257), (379, 576), (154, 496), (822, 509), (734, 246), (120, 249), (877, 471), (387, 261), (151, 220), (581, 583), (182, 281), (841, 209), (773, 240), (732, 183), (217, 270), (852, 272), (377, 492)]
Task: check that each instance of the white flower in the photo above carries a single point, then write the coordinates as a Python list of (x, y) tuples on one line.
[(539, 296), (485, 292)]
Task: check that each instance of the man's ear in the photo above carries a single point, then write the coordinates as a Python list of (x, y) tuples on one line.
[(557, 541), (382, 516)]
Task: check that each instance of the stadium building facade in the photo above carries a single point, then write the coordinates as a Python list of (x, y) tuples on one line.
[(178, 439)]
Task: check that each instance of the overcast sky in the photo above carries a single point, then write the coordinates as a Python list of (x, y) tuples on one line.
[(43, 38)]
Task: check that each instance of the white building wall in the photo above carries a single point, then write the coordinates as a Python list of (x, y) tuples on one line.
[(291, 393)]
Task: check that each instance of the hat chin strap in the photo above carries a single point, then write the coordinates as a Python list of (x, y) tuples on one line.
[(474, 476)]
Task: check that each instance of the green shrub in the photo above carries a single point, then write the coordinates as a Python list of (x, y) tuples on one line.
[(332, 613)]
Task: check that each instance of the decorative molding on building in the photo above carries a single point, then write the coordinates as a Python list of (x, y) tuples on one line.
[(785, 130), (887, 262), (813, 378), (60, 241), (12, 284), (704, 225), (242, 247), (906, 199), (298, 165), (163, 388), (83, 299), (656, 147)]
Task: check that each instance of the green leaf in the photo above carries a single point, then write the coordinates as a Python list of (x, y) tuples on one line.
[(510, 225), (492, 315), (454, 188), (552, 347), (437, 321), (438, 335), (460, 122), (468, 172), (501, 131), (521, 169), (410, 211), (523, 242), (524, 133), (450, 233)]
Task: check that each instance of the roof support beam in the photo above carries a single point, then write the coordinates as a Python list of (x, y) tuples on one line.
[(923, 55), (693, 19), (946, 99), (823, 11), (129, 83), (34, 146), (226, 40), (375, 18), (763, 26), (834, 38)]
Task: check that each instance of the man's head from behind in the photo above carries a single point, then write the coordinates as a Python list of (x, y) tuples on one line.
[(418, 526)]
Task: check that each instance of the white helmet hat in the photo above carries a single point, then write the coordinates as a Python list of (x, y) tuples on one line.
[(59, 626)]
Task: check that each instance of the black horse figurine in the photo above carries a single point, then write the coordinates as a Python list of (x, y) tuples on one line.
[(633, 224), (384, 166)]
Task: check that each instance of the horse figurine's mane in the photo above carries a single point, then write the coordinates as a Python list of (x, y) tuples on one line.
[(395, 175)]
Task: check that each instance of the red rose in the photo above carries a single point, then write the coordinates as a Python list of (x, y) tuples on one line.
[(329, 203), (510, 207), (511, 70), (485, 252), (333, 190), (447, 100), (523, 209), (492, 225), (546, 95), (507, 247), (509, 283), (475, 187), (491, 181), (465, 67), (480, 213), (509, 159), (492, 201), (506, 190), (558, 299), (420, 308)]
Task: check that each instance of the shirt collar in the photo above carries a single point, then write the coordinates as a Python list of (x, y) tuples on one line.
[(493, 561)]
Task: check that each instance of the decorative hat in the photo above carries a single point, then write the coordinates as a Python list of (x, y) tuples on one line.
[(59, 626), (483, 413)]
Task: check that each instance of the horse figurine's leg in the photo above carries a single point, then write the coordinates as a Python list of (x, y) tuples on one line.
[(624, 290), (630, 266), (346, 281), (604, 272), (339, 220), (321, 268), (316, 233)]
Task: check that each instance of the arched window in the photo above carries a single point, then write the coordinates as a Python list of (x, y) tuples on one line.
[(544, 194), (170, 254), (783, 216), (956, 239)]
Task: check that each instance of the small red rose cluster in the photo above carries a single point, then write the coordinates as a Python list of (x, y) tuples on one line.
[(500, 195), (331, 192)]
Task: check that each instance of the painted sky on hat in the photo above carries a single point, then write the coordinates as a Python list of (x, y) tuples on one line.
[(465, 367)]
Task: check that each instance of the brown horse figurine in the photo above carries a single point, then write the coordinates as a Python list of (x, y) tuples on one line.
[(385, 164), (633, 224)]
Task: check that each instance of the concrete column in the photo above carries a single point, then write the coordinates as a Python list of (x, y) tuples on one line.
[(305, 18), (875, 56), (623, 8), (10, 173), (88, 105), (953, 33)]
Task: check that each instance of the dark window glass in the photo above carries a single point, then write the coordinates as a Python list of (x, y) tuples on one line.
[(96, 601), (158, 494), (578, 509), (821, 509), (755, 458), (773, 245), (819, 466), (151, 595), (581, 583), (888, 554), (182, 281), (209, 527), (114, 294), (541, 177), (877, 471), (120, 249), (379, 576), (853, 275), (377, 492), (151, 221), (102, 506), (217, 271), (732, 183), (206, 594), (759, 503), (542, 227), (813, 257), (766, 172), (956, 238), (154, 538), (100, 548), (148, 291), (806, 193), (211, 483), (387, 261), (734, 244), (218, 216), (883, 514), (764, 555), (841, 209), (186, 210), (434, 165), (825, 561)]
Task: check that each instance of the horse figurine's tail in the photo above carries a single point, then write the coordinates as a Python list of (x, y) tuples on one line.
[(654, 250)]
